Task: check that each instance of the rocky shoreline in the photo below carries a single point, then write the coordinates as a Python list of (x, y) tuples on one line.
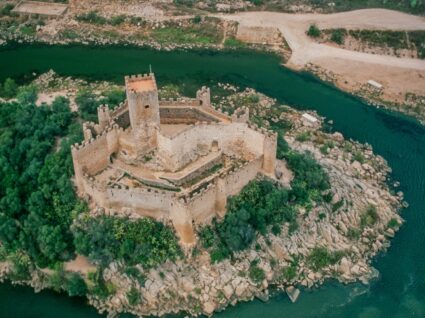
[(356, 224), (411, 106), (198, 287)]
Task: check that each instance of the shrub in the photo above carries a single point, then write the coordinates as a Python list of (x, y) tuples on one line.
[(337, 205), (320, 257), (134, 297), (87, 105), (134, 272), (117, 20), (207, 236), (307, 171), (393, 223), (99, 287), (91, 17), (21, 266), (57, 279), (9, 88), (197, 19), (369, 217), (324, 149), (256, 274), (282, 146), (143, 241), (313, 31), (338, 36), (353, 234), (6, 10), (290, 272), (27, 94), (304, 136), (253, 98), (113, 97), (75, 285), (256, 2)]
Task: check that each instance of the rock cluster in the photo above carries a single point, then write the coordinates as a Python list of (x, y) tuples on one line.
[(196, 286)]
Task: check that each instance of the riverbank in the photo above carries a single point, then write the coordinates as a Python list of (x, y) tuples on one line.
[(402, 79), (335, 238), (390, 134)]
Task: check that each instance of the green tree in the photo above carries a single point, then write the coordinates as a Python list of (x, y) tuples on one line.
[(87, 105), (76, 285), (27, 94), (313, 31), (10, 88)]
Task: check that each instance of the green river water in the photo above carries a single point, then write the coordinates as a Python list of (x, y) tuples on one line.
[(400, 289)]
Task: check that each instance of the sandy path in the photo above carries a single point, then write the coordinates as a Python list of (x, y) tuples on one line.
[(305, 50), (80, 264), (353, 69)]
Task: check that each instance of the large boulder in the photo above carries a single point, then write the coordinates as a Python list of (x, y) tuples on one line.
[(293, 293)]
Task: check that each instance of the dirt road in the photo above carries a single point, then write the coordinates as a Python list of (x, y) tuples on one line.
[(399, 75)]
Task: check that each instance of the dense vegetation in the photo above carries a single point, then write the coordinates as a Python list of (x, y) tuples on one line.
[(144, 241), (88, 102), (37, 199), (262, 206)]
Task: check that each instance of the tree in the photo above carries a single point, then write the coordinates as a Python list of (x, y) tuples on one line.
[(313, 31), (87, 105), (76, 285), (9, 88), (27, 94)]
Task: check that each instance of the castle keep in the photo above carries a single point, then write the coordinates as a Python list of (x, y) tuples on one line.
[(174, 160)]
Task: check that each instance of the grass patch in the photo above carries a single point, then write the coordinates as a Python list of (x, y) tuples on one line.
[(202, 33), (234, 43)]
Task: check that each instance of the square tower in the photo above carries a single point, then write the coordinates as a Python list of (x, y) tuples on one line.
[(142, 97)]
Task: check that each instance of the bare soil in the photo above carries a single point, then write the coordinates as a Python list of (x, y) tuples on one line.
[(350, 69)]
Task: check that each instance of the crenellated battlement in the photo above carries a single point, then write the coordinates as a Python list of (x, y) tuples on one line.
[(182, 102), (241, 115), (118, 109), (181, 157)]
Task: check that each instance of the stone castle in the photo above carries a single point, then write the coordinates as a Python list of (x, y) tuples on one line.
[(173, 160)]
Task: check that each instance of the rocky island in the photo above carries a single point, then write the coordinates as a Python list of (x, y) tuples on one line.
[(302, 204)]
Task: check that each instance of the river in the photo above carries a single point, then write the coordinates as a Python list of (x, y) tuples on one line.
[(400, 290)]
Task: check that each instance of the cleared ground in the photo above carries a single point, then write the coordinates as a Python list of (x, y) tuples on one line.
[(399, 75)]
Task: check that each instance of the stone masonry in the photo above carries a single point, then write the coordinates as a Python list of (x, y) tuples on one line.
[(173, 160)]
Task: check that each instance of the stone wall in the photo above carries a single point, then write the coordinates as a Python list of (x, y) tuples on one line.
[(93, 156), (202, 206), (216, 160), (186, 115), (236, 180), (232, 139), (205, 204), (147, 202)]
